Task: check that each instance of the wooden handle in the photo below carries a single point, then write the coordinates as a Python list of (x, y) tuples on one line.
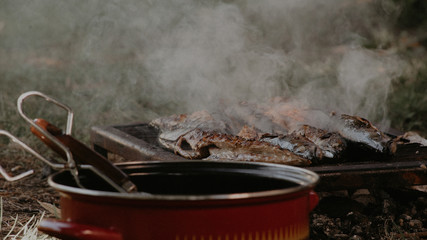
[(69, 230), (82, 154), (55, 131)]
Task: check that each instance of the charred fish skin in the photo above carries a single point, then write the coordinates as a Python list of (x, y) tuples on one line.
[(179, 133), (199, 144), (250, 156), (228, 147), (278, 131), (199, 135), (332, 144), (295, 144), (407, 138), (360, 130), (249, 132), (189, 143), (312, 143), (184, 122)]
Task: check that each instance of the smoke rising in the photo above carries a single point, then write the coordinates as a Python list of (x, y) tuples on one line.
[(254, 50), (194, 55)]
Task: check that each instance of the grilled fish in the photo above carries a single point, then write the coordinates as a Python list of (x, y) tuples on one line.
[(299, 145), (331, 144), (406, 139), (361, 131), (219, 146), (182, 122), (273, 132), (311, 143), (174, 126), (200, 135)]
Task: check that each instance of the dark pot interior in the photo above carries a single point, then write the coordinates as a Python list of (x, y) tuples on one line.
[(192, 178)]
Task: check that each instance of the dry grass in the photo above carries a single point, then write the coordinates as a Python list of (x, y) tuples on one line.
[(26, 230)]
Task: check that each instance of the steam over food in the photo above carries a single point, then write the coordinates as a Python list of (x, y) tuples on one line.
[(276, 132)]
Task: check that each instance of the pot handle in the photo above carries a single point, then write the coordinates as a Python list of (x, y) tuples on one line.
[(74, 231), (313, 200)]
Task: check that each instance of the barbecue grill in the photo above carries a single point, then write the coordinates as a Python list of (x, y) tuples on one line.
[(407, 167)]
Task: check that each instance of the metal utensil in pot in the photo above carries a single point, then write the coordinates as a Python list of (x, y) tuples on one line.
[(67, 146), (83, 154)]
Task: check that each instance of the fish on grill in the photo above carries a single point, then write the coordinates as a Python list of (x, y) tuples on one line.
[(198, 144), (363, 132), (230, 147), (311, 143), (273, 132), (183, 122), (200, 135), (297, 144), (173, 127), (331, 144), (408, 138)]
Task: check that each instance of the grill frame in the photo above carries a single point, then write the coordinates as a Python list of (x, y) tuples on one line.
[(138, 142)]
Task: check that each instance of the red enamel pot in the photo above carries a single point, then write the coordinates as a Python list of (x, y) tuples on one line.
[(191, 200)]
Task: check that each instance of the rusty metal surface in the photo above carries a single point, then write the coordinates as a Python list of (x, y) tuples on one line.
[(138, 142)]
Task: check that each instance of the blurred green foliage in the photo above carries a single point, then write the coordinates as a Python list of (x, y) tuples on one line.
[(413, 14), (408, 103)]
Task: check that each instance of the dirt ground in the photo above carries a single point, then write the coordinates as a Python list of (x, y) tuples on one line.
[(371, 214), (23, 199), (361, 214)]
